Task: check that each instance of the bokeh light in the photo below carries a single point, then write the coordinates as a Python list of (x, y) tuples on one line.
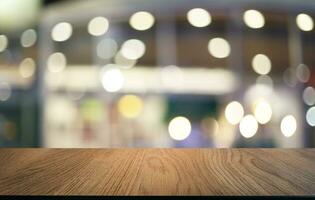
[(309, 96), (123, 62), (199, 17), (261, 64), (264, 80), (219, 48), (310, 116), (27, 67), (263, 112), (210, 126), (254, 19), (179, 128), (98, 26), (303, 73), (112, 80), (56, 62), (248, 126), (234, 112), (5, 91), (3, 42), (141, 20), (289, 77), (107, 48), (304, 22), (28, 38), (61, 32), (133, 49), (130, 106), (288, 125)]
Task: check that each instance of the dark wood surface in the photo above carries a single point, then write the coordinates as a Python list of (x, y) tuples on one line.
[(137, 171)]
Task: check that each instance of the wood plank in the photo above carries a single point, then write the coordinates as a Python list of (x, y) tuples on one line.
[(153, 171)]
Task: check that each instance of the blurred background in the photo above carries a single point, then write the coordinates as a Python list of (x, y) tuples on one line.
[(147, 73)]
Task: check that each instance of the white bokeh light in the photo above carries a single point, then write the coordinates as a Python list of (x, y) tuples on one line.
[(98, 26), (56, 62), (124, 62), (61, 32), (264, 80), (198, 17), (261, 64), (310, 116), (234, 112), (309, 96), (289, 77), (5, 91), (303, 73), (219, 48), (3, 42), (133, 49), (248, 126), (112, 80), (107, 48), (263, 112), (27, 68), (28, 38), (254, 19), (304, 22), (141, 20), (288, 125), (179, 128)]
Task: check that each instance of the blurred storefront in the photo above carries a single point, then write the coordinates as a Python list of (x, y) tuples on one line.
[(174, 73)]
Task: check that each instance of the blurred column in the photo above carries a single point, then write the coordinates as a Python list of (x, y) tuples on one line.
[(235, 37), (166, 41), (296, 58), (46, 47)]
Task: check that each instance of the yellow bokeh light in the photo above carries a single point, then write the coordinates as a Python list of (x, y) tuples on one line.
[(130, 106), (141, 20)]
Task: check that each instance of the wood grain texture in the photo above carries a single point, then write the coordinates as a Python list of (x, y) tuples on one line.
[(131, 171)]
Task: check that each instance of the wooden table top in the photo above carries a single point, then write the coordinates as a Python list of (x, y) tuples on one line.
[(140, 171)]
